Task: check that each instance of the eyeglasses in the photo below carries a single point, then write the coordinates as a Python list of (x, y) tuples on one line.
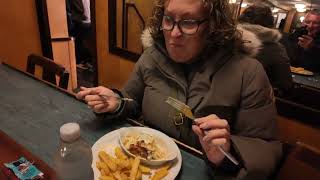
[(186, 26)]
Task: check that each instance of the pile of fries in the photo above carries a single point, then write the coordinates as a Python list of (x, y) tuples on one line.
[(123, 167)]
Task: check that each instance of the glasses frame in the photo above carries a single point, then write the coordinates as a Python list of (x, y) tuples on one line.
[(178, 23)]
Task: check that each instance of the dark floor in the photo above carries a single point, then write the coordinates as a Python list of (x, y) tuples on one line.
[(85, 77)]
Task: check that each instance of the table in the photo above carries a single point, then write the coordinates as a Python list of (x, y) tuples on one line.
[(312, 81), (31, 112)]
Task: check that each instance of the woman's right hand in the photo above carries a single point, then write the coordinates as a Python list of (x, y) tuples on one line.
[(99, 99)]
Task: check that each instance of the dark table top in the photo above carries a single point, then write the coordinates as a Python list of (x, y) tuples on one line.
[(31, 112), (312, 81)]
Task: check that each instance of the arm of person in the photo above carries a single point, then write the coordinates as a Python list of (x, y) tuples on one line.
[(255, 134), (280, 69), (134, 89), (114, 108)]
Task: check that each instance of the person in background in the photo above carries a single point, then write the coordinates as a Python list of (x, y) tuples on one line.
[(282, 24), (258, 19), (303, 45), (79, 26), (197, 55)]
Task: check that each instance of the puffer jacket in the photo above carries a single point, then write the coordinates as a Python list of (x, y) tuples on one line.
[(231, 85), (272, 55)]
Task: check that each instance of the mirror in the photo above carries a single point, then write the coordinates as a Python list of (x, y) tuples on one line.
[(127, 19)]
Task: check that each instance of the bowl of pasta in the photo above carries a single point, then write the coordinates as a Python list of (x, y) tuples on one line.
[(151, 146)]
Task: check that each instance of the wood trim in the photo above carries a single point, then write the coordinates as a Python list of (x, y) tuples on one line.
[(61, 39), (112, 11)]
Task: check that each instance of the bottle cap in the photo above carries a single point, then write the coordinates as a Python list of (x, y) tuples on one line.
[(70, 132)]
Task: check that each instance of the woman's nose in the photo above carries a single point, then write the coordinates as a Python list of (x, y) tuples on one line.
[(176, 32)]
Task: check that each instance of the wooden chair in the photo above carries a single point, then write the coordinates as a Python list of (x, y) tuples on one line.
[(49, 70), (301, 162)]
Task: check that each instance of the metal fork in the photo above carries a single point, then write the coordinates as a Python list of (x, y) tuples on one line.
[(186, 110), (106, 97)]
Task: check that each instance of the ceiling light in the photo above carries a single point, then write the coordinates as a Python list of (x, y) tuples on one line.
[(301, 9), (232, 1), (300, 6), (244, 5), (275, 10)]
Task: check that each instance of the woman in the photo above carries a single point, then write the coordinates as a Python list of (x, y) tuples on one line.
[(258, 19), (196, 56)]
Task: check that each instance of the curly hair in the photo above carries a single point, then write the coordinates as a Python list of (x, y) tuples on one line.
[(258, 14), (222, 26)]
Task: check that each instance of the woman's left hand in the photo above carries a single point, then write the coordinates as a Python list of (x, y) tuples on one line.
[(213, 132)]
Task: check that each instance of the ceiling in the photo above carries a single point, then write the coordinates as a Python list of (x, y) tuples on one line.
[(289, 4)]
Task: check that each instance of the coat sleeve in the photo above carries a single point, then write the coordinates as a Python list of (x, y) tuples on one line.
[(255, 133)]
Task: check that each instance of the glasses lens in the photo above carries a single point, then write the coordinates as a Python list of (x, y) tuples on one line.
[(188, 26), (167, 23)]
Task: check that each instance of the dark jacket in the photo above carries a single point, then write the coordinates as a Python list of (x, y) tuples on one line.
[(75, 11), (308, 59), (272, 56), (231, 85)]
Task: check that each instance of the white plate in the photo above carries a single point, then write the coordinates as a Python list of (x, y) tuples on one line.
[(110, 141)]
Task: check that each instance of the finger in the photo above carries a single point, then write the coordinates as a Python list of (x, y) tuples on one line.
[(82, 88), (100, 107), (216, 134), (218, 142), (307, 37), (82, 94), (199, 121), (215, 124), (89, 98), (94, 103), (197, 131)]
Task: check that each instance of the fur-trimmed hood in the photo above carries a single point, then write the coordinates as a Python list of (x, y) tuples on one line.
[(265, 35), (251, 46)]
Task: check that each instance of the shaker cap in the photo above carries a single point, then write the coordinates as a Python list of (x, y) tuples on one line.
[(70, 132)]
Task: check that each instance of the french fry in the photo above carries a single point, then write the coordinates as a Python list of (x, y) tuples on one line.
[(119, 153), (134, 168), (139, 175), (123, 164), (117, 175), (106, 178), (159, 174), (144, 169), (107, 159), (103, 166), (124, 175)]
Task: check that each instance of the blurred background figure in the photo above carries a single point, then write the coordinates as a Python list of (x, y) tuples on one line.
[(281, 25), (79, 26), (258, 19), (303, 44)]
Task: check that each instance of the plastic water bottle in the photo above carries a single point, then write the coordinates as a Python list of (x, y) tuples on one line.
[(73, 159)]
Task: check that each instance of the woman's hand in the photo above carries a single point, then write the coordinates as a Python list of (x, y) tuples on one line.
[(213, 132), (99, 99)]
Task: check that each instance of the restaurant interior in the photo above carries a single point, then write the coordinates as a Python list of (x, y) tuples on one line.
[(33, 29)]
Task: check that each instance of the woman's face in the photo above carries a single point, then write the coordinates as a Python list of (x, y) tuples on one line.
[(184, 48)]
